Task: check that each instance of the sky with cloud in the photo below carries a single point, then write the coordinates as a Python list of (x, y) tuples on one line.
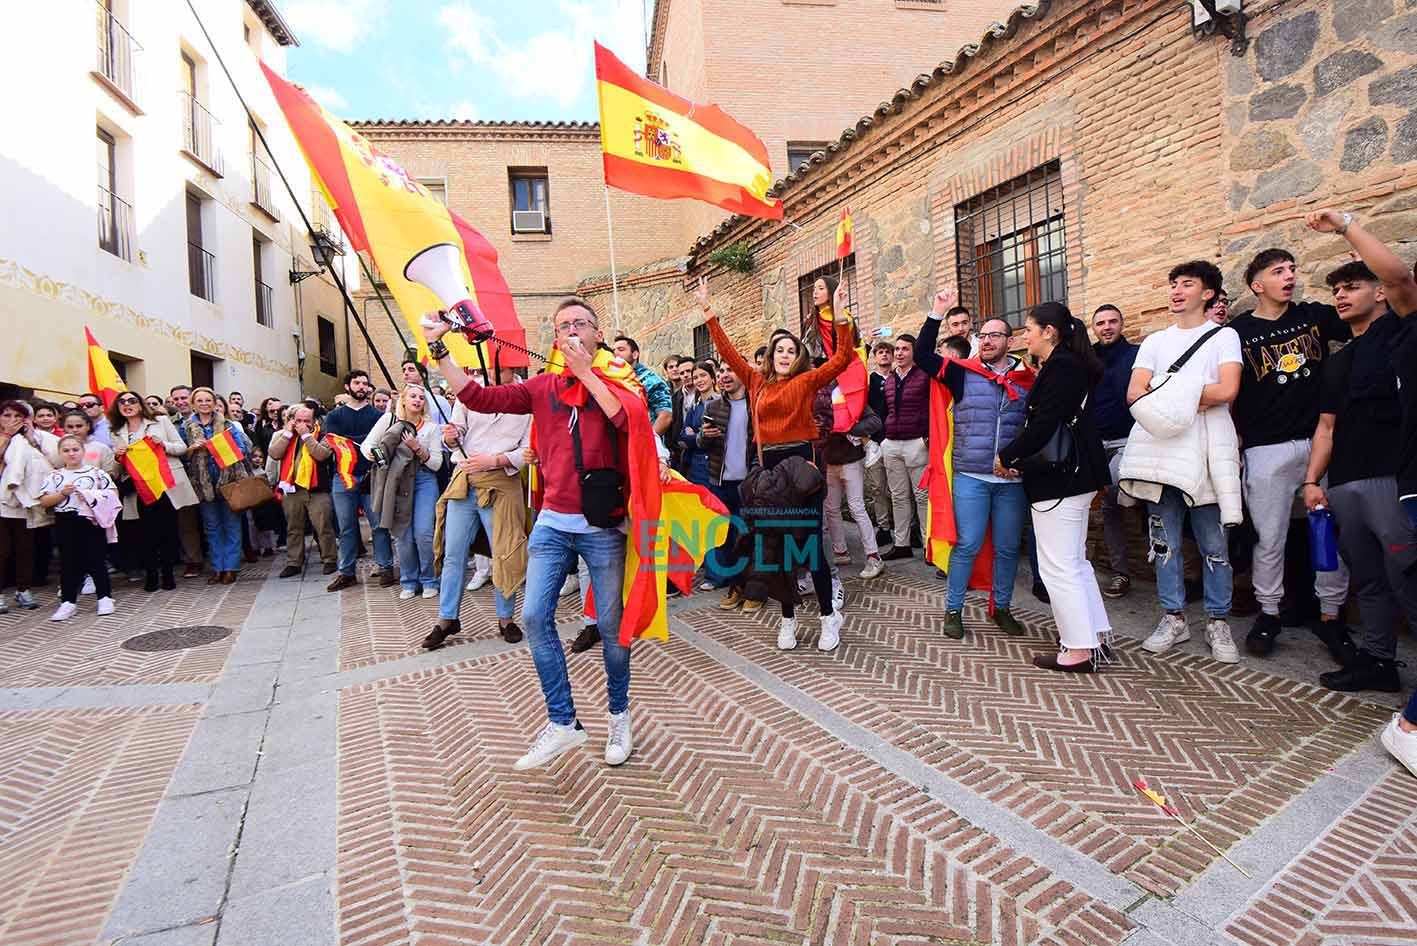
[(463, 59)]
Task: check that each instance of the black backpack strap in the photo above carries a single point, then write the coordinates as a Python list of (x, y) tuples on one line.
[(1195, 347)]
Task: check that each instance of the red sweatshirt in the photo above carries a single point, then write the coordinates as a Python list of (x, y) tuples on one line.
[(540, 397)]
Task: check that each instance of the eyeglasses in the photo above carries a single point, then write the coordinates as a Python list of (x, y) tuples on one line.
[(128, 400), (579, 325), (86, 405), (993, 335)]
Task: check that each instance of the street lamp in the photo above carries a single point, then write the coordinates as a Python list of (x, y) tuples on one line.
[(323, 249)]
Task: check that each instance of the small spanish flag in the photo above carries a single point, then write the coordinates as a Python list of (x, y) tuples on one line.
[(346, 457), (104, 382), (843, 235), (225, 448), (146, 462), (298, 471)]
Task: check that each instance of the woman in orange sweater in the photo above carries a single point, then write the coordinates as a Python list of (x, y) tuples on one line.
[(780, 401)]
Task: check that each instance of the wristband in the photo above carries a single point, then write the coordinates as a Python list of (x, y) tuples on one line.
[(437, 350), (1347, 222), (1310, 483)]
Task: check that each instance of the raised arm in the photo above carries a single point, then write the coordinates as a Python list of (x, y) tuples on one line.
[(1397, 279), (736, 362)]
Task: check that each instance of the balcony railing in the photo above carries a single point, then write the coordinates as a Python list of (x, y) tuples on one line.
[(199, 132), (201, 272), (261, 184), (115, 224), (265, 305), (117, 51)]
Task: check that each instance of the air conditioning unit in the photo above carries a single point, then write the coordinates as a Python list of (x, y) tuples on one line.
[(528, 221)]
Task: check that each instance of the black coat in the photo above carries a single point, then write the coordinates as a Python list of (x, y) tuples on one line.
[(1057, 394), (773, 500)]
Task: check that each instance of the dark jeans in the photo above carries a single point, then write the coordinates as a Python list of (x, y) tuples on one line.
[(155, 538), (43, 538), (17, 548), (82, 550), (718, 563), (821, 569)]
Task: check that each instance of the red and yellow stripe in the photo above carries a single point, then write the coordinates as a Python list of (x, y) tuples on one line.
[(346, 456), (299, 472), (225, 448), (660, 144), (146, 462), (843, 235), (104, 382)]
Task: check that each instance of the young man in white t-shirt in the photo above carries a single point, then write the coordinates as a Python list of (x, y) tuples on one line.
[(1217, 362)]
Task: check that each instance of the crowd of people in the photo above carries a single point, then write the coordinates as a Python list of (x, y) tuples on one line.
[(995, 440)]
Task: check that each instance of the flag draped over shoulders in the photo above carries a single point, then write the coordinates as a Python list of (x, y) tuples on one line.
[(939, 473), (852, 386)]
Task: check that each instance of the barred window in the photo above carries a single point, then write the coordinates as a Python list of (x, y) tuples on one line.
[(703, 344), (1010, 250)]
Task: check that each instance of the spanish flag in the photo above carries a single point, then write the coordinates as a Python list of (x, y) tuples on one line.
[(146, 462), (392, 217), (346, 457), (851, 387), (843, 235), (299, 471), (659, 144), (225, 448), (104, 382)]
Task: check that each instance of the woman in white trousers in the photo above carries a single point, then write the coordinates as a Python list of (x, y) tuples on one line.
[(1061, 483)]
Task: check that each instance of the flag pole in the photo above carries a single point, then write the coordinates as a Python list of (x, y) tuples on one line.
[(614, 279)]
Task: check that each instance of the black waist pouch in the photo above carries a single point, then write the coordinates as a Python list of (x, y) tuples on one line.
[(603, 488)]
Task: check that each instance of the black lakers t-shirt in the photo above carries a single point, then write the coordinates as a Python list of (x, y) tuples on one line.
[(1280, 371)]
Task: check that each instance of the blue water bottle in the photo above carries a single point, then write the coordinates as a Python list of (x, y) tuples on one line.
[(1323, 543)]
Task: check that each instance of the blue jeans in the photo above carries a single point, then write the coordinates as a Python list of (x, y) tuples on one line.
[(1165, 520), (462, 520), (719, 564), (223, 528), (551, 556), (978, 505), (347, 504), (416, 546)]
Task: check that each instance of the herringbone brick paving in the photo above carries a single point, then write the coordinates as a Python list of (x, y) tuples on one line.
[(1229, 744), (78, 789), (737, 821), (86, 650), (1356, 885)]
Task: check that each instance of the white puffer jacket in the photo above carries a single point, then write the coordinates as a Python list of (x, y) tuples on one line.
[(1172, 444)]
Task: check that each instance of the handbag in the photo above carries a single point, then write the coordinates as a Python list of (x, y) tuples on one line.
[(1059, 454), (246, 493)]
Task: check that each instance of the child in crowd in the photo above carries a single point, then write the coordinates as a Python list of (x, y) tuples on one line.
[(265, 519), (85, 504)]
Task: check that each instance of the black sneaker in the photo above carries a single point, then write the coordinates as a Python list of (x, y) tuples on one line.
[(940, 574), (169, 580), (1007, 622), (884, 538), (898, 553), (1040, 592), (1260, 641), (953, 627), (586, 639), (1338, 639), (150, 582), (511, 633), (1365, 673), (290, 571)]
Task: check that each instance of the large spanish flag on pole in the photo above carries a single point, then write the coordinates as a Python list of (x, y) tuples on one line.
[(104, 382), (392, 217), (660, 144)]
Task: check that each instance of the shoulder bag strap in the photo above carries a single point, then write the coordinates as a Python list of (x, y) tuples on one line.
[(1195, 347)]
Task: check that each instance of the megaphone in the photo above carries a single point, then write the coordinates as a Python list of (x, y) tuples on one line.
[(439, 269)]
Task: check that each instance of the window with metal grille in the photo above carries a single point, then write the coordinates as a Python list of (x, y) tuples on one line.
[(703, 344), (1010, 247), (833, 269)]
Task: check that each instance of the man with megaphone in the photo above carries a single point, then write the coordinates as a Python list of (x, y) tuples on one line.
[(582, 442)]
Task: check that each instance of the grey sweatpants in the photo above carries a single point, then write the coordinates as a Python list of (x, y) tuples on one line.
[(1273, 473), (1377, 543)]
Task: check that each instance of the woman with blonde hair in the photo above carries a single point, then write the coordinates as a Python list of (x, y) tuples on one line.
[(406, 448)]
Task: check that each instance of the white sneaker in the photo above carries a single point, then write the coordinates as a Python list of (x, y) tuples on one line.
[(874, 567), (569, 585), (1171, 631), (105, 606), (787, 634), (831, 632), (407, 593), (430, 592), (707, 586), (838, 594), (65, 611), (88, 588), (1222, 644), (4, 605), (1402, 745), (478, 580), (804, 584), (618, 744), (553, 740), (25, 599)]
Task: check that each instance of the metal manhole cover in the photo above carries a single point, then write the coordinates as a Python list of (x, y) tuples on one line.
[(177, 638)]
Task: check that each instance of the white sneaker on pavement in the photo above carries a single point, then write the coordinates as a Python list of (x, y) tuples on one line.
[(1171, 630), (804, 584), (478, 579), (787, 634), (64, 612), (25, 599), (430, 592), (1402, 745), (105, 606), (874, 566), (88, 588), (831, 632), (838, 594), (553, 740), (4, 605), (1222, 644), (407, 593), (618, 744)]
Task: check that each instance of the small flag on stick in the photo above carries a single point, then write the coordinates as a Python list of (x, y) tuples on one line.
[(843, 235), (225, 448), (146, 462), (1160, 801)]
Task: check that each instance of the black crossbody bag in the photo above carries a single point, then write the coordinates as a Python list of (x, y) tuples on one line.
[(603, 488)]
